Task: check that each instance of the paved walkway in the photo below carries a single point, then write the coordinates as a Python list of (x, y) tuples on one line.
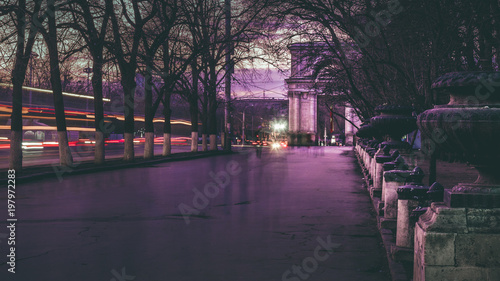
[(298, 214)]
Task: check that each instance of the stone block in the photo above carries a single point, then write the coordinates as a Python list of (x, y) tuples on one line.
[(418, 257), (494, 274), (474, 249), (439, 248), (450, 273), (445, 249), (441, 218), (471, 200), (483, 220)]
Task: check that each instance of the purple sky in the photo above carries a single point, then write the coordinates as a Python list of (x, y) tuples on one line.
[(269, 81)]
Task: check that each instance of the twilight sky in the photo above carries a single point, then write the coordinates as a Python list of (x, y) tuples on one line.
[(269, 81)]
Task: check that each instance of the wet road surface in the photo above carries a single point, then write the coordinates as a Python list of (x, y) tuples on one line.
[(294, 214)]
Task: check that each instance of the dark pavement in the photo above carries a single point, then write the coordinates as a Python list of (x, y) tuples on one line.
[(295, 214)]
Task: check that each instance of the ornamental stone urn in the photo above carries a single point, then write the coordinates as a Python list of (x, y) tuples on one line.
[(368, 131), (469, 124), (458, 239), (393, 122)]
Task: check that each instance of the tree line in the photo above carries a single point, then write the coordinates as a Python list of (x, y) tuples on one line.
[(179, 46)]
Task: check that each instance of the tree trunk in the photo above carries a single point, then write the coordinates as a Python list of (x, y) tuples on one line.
[(100, 126), (16, 125), (65, 157), (213, 142), (128, 84), (16, 151), (204, 126), (23, 53), (204, 144), (167, 126), (212, 115), (193, 109), (167, 144), (194, 141), (149, 145), (149, 115)]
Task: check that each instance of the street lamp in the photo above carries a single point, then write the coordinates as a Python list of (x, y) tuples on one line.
[(87, 70)]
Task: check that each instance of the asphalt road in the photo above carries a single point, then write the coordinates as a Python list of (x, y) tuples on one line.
[(294, 214)]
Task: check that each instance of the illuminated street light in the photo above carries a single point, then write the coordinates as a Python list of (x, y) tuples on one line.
[(279, 126)]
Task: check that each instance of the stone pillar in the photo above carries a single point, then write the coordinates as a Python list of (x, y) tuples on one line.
[(381, 158), (392, 181), (348, 127), (370, 153), (310, 113), (373, 163), (409, 197), (298, 102), (315, 114), (291, 112)]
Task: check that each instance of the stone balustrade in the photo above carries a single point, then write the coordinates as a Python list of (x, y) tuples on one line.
[(457, 236)]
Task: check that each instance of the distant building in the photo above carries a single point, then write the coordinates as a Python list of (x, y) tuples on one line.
[(304, 86)]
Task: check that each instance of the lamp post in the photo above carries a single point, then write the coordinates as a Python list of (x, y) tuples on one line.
[(87, 70), (243, 128)]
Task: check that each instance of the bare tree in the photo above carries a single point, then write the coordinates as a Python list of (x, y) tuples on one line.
[(156, 36), (50, 37), (127, 36), (91, 19), (206, 22), (24, 48)]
